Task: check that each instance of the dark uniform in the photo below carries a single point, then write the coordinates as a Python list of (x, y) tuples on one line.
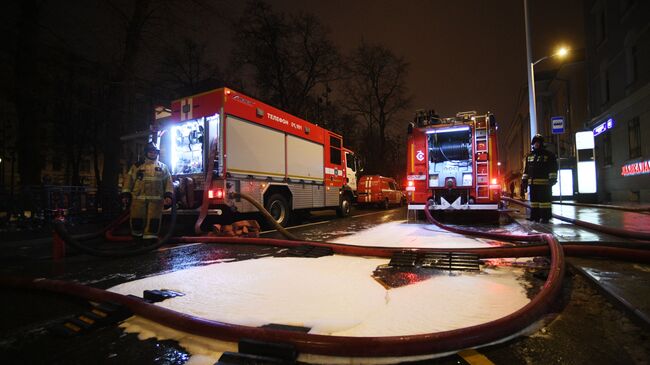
[(540, 173)]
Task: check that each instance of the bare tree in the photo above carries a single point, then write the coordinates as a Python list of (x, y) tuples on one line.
[(28, 102), (376, 91), (290, 55), (187, 69), (118, 94)]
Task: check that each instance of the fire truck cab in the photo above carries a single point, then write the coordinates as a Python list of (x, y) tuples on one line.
[(223, 141), (452, 163)]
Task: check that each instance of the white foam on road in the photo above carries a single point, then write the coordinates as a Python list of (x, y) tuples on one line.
[(333, 295), (412, 235)]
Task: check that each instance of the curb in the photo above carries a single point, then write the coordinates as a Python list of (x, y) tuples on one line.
[(636, 315)]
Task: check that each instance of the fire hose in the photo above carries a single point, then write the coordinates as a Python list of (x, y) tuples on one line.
[(429, 343), (266, 215), (333, 345), (77, 242), (641, 210), (339, 345), (645, 236)]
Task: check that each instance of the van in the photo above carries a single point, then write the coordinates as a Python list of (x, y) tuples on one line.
[(379, 190)]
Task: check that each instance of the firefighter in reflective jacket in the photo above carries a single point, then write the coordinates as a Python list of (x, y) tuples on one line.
[(148, 186), (540, 173)]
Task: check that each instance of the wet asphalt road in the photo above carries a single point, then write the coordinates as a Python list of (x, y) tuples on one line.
[(586, 328)]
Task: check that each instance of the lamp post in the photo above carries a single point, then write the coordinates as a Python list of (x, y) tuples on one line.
[(532, 106), (532, 103)]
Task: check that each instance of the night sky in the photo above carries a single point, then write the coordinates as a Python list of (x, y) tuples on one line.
[(465, 54)]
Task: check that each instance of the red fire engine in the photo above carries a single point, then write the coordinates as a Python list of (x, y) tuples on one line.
[(223, 141), (453, 162)]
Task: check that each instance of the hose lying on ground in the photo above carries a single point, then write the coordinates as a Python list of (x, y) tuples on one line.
[(60, 229), (641, 210), (598, 228), (269, 218), (429, 343)]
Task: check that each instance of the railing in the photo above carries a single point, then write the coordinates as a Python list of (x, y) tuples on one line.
[(34, 207)]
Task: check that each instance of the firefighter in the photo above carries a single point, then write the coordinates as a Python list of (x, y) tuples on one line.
[(148, 186), (540, 173)]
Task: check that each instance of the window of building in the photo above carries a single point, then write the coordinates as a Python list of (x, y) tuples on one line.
[(57, 163), (626, 5), (631, 64), (634, 137), (631, 56), (601, 26), (604, 83), (84, 166), (607, 149)]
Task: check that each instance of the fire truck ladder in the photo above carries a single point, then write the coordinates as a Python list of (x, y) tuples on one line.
[(482, 168)]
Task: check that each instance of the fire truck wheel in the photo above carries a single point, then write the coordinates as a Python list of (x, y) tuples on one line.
[(344, 207), (279, 209)]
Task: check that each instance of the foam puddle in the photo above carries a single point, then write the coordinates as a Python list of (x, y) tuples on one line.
[(400, 234), (333, 295)]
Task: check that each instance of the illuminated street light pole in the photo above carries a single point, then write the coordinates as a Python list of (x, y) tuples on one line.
[(532, 106), (532, 109), (561, 52)]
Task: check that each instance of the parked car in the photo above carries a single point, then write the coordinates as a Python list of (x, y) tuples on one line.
[(379, 190)]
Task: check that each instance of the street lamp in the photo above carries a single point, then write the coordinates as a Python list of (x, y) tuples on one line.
[(532, 102), (561, 52)]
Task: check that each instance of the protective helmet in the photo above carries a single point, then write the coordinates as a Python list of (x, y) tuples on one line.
[(537, 138), (150, 147)]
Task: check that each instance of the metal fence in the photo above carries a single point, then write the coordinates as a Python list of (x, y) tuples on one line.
[(38, 204)]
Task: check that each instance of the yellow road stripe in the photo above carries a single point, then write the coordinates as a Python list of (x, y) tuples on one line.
[(473, 357)]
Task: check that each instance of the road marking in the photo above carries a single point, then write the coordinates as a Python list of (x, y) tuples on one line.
[(473, 357), (180, 246)]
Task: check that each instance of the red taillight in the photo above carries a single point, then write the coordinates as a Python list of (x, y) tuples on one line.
[(410, 186), (215, 193)]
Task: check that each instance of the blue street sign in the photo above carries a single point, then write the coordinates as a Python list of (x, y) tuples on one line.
[(557, 125)]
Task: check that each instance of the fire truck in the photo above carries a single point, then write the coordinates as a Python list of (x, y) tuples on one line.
[(223, 141), (452, 163)]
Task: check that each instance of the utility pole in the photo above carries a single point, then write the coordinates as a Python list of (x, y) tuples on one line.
[(531, 76)]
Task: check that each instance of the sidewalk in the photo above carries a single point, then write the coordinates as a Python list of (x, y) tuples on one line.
[(631, 206), (623, 283)]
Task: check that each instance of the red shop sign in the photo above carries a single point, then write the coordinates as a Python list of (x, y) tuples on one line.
[(636, 168)]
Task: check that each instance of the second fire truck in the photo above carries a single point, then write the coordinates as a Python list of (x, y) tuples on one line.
[(452, 163), (223, 141)]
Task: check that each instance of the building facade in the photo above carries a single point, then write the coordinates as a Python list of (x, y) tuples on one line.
[(618, 76), (560, 92)]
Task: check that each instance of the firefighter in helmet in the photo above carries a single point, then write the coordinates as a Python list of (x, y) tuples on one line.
[(148, 186), (540, 173)]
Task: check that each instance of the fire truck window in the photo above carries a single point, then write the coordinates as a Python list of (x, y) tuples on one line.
[(349, 159), (335, 142), (335, 156), (187, 148), (164, 146), (335, 150), (450, 156)]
